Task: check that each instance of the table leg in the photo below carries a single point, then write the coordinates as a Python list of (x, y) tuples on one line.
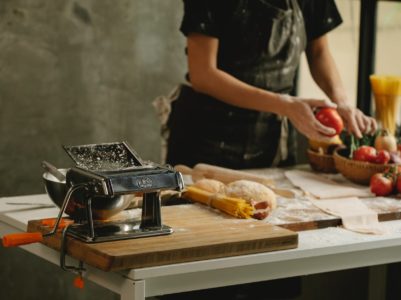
[(377, 282), (133, 290)]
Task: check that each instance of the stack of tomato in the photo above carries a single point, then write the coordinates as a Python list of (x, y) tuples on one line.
[(372, 155), (385, 151)]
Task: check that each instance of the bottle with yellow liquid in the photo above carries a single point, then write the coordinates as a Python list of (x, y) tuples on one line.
[(387, 94)]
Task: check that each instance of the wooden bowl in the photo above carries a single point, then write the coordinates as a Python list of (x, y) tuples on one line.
[(321, 162), (356, 171)]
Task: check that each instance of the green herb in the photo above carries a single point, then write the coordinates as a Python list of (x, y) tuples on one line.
[(352, 143)]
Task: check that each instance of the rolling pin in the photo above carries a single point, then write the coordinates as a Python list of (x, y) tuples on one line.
[(226, 176)]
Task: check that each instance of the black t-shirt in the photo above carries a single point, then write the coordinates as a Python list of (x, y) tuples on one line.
[(245, 29), (209, 17)]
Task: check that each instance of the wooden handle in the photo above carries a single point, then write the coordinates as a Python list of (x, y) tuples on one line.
[(226, 175), (79, 282), (19, 239), (183, 169)]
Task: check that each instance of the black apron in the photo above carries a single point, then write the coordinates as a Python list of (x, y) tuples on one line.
[(204, 129)]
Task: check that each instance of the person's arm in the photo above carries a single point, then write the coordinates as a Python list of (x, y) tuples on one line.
[(325, 74), (207, 78)]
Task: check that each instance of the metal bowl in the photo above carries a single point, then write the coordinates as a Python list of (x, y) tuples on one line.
[(102, 207)]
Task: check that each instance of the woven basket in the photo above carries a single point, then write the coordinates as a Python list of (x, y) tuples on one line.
[(356, 171), (321, 162)]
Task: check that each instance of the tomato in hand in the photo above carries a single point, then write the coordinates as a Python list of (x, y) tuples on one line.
[(329, 117), (382, 157), (365, 153), (381, 185)]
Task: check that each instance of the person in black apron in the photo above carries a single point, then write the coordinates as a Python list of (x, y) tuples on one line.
[(259, 44)]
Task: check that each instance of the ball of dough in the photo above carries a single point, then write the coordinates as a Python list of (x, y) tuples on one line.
[(252, 192), (211, 185)]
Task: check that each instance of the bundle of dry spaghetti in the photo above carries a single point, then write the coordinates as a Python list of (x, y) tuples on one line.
[(236, 207), (387, 92)]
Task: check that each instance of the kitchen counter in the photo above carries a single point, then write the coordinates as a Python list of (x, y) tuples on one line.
[(318, 251)]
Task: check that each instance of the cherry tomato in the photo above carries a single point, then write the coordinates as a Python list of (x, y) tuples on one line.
[(330, 118), (380, 185), (365, 153), (382, 157)]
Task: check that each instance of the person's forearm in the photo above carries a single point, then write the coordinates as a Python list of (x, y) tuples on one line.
[(229, 89), (325, 73)]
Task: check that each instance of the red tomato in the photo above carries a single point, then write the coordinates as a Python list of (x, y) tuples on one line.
[(382, 157), (380, 185), (398, 183), (330, 118), (365, 153)]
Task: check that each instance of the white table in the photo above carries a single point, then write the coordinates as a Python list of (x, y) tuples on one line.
[(319, 251)]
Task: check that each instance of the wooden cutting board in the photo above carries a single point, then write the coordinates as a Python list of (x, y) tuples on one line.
[(199, 233), (300, 214)]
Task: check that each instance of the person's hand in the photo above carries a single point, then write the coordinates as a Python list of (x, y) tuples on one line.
[(355, 121), (300, 112)]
